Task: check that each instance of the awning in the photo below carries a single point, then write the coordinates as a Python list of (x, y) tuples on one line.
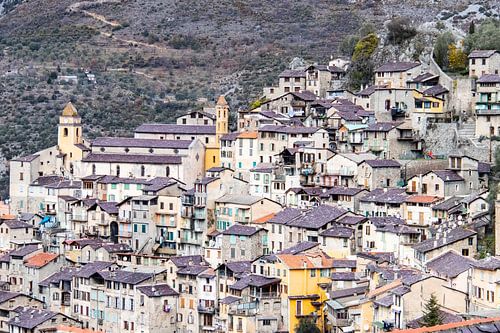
[(335, 304), (45, 220)]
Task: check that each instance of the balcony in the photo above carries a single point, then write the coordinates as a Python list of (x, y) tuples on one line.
[(124, 220), (340, 322), (266, 295), (166, 251), (206, 309), (199, 215), (406, 136), (190, 240), (343, 172), (242, 219), (307, 171), (186, 213), (125, 234), (355, 141), (79, 218), (376, 148)]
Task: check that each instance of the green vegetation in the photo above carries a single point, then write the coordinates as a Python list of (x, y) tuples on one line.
[(484, 37), (257, 103), (441, 48), (361, 69), (457, 59), (432, 315), (399, 30), (306, 325), (486, 246)]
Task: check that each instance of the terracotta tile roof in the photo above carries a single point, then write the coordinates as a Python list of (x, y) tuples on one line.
[(39, 260), (307, 260), (422, 199), (264, 218), (72, 329), (451, 326), (248, 135), (384, 288)]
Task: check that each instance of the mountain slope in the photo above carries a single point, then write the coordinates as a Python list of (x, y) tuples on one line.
[(154, 59)]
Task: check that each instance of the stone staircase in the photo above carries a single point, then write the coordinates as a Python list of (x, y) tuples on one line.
[(467, 131), (467, 134)]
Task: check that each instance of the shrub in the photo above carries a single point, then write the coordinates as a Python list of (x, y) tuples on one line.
[(399, 30)]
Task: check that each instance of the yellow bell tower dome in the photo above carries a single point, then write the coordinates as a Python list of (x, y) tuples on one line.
[(222, 118), (69, 134)]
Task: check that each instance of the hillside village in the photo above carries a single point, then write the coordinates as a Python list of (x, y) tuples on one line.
[(346, 210)]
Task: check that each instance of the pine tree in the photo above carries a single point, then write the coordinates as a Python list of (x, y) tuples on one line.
[(432, 315), (472, 28), (306, 325)]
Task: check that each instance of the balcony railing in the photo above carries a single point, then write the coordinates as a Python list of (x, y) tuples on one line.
[(376, 148), (266, 295), (206, 309), (78, 217), (190, 240), (343, 172), (199, 215), (307, 171), (125, 234), (124, 220), (242, 219)]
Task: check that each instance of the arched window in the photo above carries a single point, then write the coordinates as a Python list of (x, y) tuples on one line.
[(143, 171), (167, 169), (117, 171), (93, 169), (77, 132), (65, 131)]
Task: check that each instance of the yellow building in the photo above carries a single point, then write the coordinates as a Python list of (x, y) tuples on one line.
[(69, 137), (427, 104), (305, 278), (212, 152)]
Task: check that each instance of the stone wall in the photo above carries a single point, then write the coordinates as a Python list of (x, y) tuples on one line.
[(460, 99)]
